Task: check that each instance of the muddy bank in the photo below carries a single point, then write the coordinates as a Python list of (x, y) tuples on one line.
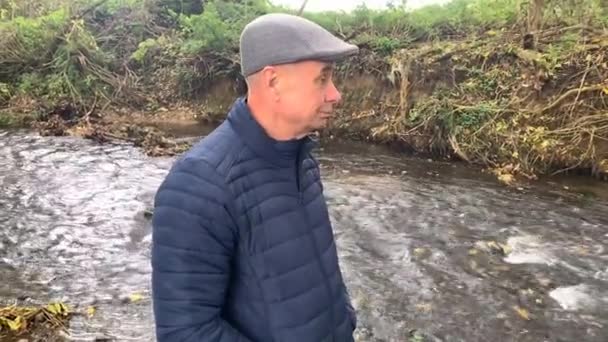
[(482, 99), (170, 131)]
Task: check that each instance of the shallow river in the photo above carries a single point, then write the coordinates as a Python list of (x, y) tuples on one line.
[(431, 251)]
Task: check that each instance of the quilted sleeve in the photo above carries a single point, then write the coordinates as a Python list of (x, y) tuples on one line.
[(193, 241)]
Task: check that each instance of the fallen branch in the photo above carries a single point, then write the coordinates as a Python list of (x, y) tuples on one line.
[(457, 149), (571, 92), (528, 55)]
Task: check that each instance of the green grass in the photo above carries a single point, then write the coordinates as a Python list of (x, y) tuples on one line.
[(48, 56)]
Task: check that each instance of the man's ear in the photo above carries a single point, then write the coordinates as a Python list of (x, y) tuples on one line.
[(270, 80)]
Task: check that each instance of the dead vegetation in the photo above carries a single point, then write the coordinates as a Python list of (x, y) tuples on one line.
[(44, 322), (489, 101)]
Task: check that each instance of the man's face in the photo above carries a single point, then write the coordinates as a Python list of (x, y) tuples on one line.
[(307, 95)]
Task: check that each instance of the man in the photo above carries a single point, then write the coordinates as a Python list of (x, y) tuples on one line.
[(243, 248)]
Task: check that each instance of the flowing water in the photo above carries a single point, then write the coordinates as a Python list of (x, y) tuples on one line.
[(431, 251)]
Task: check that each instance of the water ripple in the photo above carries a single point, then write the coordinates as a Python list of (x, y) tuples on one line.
[(411, 237)]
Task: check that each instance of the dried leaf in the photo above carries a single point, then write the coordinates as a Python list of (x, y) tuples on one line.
[(506, 178), (523, 313), (604, 165), (424, 307), (16, 324), (420, 251), (57, 308), (493, 245), (91, 311), (506, 249), (135, 297)]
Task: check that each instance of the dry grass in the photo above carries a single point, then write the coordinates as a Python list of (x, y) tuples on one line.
[(489, 102)]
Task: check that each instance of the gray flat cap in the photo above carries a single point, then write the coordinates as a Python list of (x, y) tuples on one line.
[(278, 38)]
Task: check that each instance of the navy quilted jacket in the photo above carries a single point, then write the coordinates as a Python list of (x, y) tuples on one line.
[(243, 248)]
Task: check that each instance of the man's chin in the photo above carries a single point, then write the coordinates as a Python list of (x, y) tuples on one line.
[(322, 123)]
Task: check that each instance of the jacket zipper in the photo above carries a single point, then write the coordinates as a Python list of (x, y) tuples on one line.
[(300, 159)]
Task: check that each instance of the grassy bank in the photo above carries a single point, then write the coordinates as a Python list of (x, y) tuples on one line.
[(505, 84)]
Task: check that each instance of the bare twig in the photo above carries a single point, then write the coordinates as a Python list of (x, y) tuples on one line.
[(86, 117), (578, 94)]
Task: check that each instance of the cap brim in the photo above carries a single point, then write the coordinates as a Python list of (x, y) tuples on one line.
[(339, 54), (336, 50)]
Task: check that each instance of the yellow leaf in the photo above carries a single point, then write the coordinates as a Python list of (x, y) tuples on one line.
[(523, 313), (604, 166), (605, 90), (506, 178), (506, 248), (53, 308), (135, 297), (91, 311), (15, 325), (419, 251), (501, 126), (493, 244), (57, 308), (473, 251), (545, 144), (424, 307), (515, 154)]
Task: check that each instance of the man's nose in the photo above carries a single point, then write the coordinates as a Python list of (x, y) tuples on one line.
[(333, 95)]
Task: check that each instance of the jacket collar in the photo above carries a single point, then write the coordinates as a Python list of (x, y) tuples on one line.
[(281, 153)]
